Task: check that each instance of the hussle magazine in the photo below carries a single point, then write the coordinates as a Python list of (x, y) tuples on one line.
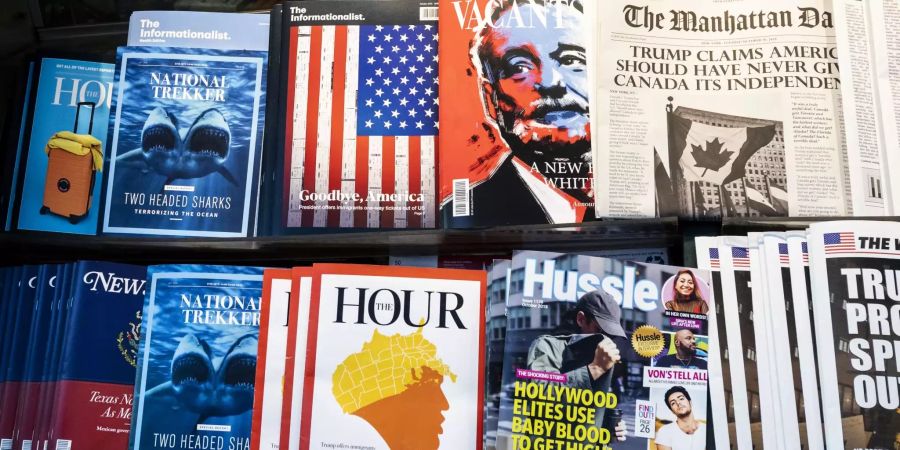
[(603, 354), (186, 144)]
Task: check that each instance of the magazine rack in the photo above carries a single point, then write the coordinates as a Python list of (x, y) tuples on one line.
[(368, 246)]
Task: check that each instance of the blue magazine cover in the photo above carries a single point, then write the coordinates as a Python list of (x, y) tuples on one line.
[(61, 86), (185, 149), (197, 357), (12, 194), (198, 29)]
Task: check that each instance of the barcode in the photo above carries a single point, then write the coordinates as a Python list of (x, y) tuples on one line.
[(63, 444), (461, 197), (5, 444), (428, 13)]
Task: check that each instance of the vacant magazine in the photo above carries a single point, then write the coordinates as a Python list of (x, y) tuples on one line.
[(717, 109), (854, 270), (598, 350), (516, 135)]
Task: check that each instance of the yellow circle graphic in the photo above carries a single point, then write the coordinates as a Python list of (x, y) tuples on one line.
[(647, 341)]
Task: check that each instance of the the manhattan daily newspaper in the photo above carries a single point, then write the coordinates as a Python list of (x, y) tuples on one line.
[(711, 109), (868, 51)]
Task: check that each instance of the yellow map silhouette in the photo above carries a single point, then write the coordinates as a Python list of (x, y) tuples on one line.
[(394, 384)]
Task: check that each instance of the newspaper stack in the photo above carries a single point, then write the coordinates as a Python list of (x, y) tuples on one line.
[(726, 109), (809, 312)]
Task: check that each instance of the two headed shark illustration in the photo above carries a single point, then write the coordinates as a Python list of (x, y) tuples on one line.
[(203, 150), (198, 387)]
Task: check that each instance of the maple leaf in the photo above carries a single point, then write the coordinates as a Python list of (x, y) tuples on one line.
[(713, 158)]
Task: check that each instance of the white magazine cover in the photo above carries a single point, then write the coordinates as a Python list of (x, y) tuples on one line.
[(272, 352), (806, 342), (720, 378), (734, 257), (784, 347), (395, 358), (716, 109), (855, 270), (868, 48), (773, 422)]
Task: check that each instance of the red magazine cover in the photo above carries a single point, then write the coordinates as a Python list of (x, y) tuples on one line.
[(289, 435), (514, 98), (270, 360)]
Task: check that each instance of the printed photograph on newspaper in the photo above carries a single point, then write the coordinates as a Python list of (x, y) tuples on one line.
[(722, 109)]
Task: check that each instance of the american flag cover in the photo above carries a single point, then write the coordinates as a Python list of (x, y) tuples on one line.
[(360, 137)]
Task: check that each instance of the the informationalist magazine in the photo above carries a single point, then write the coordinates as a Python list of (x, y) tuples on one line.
[(361, 115), (600, 350)]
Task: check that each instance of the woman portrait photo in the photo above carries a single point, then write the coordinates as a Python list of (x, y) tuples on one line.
[(685, 292)]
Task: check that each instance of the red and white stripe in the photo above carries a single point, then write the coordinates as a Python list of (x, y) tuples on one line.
[(847, 244), (743, 263), (326, 154)]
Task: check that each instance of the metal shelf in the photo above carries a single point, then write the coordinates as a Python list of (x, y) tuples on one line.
[(33, 247)]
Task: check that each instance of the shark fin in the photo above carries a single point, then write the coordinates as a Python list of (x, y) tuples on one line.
[(162, 391), (228, 176), (133, 159)]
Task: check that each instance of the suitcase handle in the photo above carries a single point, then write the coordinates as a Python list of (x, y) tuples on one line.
[(93, 106)]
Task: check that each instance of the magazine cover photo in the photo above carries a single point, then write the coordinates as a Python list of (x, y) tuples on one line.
[(605, 353)]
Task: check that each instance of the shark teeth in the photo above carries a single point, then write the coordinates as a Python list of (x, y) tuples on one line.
[(241, 371), (209, 141), (190, 369), (158, 138)]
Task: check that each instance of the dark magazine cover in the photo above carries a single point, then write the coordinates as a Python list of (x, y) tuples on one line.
[(196, 367), (186, 145)]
